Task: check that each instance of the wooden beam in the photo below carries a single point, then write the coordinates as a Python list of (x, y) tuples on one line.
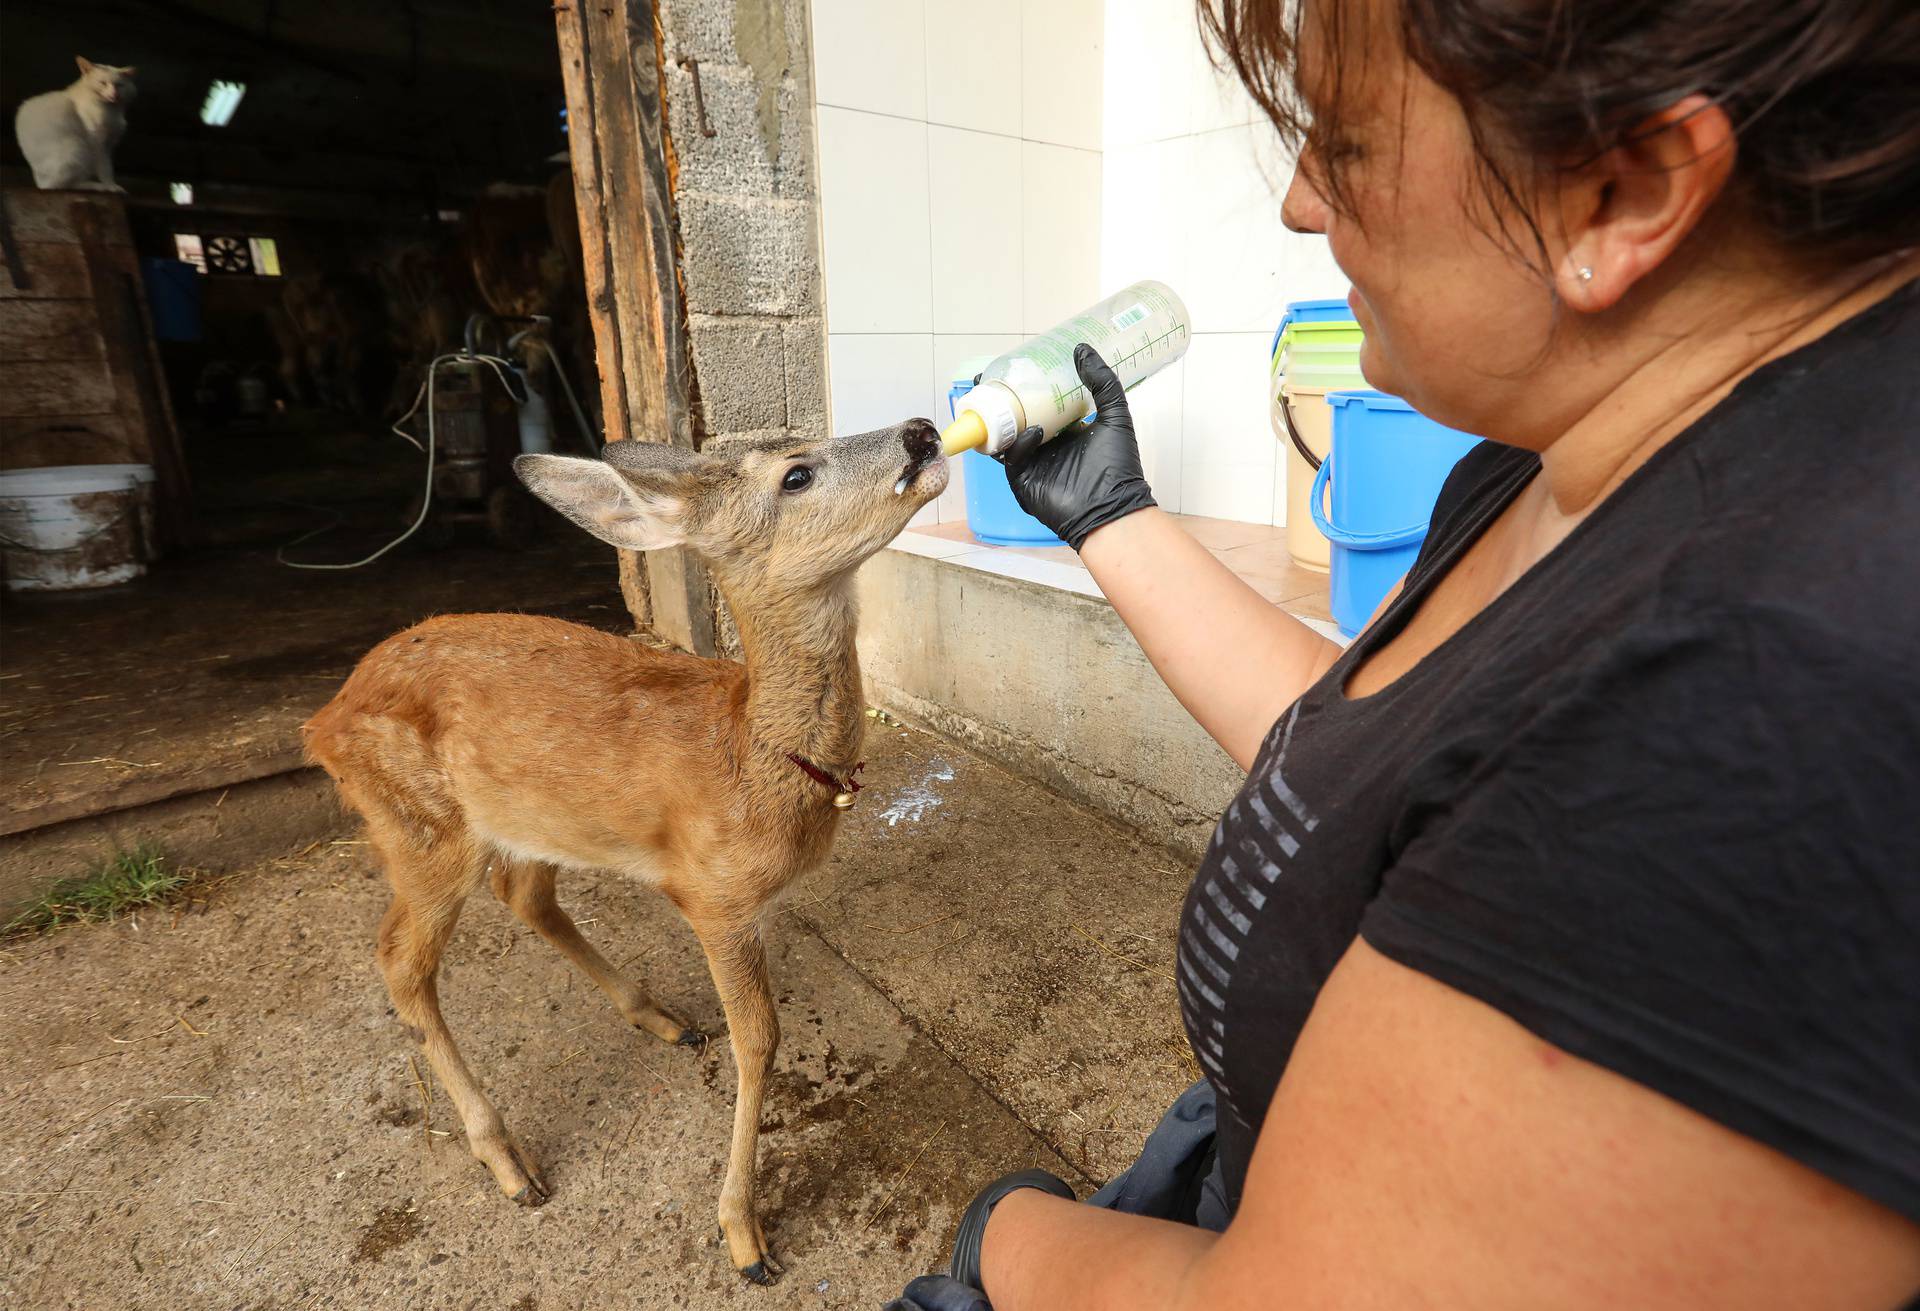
[(126, 324), (48, 330), (610, 59), (53, 273)]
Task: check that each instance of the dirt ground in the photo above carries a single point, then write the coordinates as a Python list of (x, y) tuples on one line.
[(213, 1107)]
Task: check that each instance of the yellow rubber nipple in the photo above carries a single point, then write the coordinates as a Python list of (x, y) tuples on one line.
[(967, 432)]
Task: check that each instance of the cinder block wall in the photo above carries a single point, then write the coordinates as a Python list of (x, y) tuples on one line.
[(740, 124), (744, 187)]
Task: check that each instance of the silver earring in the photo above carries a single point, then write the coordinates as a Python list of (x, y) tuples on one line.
[(1585, 273)]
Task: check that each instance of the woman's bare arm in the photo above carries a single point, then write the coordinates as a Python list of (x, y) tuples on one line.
[(1425, 1150), (1234, 659)]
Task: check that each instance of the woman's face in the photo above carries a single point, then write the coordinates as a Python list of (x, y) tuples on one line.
[(1454, 321)]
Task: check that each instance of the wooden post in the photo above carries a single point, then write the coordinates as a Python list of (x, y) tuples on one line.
[(82, 379), (616, 131)]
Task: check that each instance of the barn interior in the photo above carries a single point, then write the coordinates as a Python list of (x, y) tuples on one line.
[(322, 200)]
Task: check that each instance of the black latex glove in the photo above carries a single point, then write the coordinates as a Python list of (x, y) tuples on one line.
[(973, 1224), (938, 1293), (1090, 474)]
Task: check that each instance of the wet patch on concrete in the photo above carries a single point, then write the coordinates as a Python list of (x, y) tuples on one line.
[(392, 1227)]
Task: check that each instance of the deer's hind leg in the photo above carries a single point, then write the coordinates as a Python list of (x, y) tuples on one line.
[(526, 886), (433, 870)]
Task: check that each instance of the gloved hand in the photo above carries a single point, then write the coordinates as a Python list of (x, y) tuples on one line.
[(938, 1293), (973, 1223), (961, 1291), (1089, 475)]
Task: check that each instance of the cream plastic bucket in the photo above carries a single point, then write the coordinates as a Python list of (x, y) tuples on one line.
[(70, 526), (1315, 351), (1313, 420)]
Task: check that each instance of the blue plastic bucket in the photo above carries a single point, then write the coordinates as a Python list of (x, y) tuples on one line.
[(992, 513), (1310, 311), (1385, 470)]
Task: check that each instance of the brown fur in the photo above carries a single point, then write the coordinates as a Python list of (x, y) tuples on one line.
[(500, 749)]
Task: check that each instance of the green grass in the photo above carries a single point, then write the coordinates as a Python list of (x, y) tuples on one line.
[(132, 879)]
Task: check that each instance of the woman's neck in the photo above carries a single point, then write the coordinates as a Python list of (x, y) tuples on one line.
[(1693, 357)]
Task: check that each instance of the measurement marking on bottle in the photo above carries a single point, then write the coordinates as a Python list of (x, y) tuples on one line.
[(1147, 350)]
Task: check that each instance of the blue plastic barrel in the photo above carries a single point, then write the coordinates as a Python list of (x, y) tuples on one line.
[(173, 298), (992, 513), (1386, 467)]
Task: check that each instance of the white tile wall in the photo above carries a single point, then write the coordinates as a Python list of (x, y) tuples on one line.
[(1228, 451), (874, 221), (1171, 154), (1232, 217), (872, 55), (976, 202), (1148, 89), (885, 376), (1218, 99), (1158, 406), (878, 380), (959, 147), (974, 64), (1192, 187), (1144, 232), (990, 166), (1061, 240), (1060, 72)]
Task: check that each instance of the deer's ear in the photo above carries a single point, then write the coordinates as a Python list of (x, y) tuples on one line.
[(605, 502)]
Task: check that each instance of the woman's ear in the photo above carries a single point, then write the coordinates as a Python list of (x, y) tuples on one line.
[(1628, 210), (636, 514)]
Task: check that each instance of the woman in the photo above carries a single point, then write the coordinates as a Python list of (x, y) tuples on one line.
[(1560, 950)]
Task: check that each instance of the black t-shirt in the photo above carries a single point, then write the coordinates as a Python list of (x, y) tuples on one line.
[(1659, 802)]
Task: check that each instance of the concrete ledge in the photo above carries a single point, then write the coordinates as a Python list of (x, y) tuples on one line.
[(217, 828), (1047, 682)]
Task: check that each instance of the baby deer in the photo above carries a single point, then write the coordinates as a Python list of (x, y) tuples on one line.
[(508, 747)]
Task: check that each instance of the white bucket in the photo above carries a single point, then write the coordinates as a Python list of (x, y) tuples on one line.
[(73, 525), (144, 500)]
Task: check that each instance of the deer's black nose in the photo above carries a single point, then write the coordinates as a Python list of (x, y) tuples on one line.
[(921, 439)]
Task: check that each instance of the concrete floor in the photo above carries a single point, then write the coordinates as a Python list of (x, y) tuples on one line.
[(212, 1107)]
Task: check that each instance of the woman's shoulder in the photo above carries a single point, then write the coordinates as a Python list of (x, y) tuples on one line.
[(1800, 494)]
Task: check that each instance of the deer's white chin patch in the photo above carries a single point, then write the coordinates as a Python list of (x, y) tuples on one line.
[(926, 482)]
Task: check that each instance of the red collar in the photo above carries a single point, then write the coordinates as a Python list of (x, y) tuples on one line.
[(842, 792)]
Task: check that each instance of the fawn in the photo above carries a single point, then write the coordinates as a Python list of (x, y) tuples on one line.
[(507, 747)]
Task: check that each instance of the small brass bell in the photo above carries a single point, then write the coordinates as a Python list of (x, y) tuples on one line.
[(841, 800)]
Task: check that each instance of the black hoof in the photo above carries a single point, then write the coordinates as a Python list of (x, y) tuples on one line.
[(690, 1038), (757, 1273), (529, 1196)]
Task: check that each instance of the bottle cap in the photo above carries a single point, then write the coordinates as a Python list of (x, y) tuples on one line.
[(995, 410)]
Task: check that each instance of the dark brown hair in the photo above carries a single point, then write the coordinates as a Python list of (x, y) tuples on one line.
[(1824, 95)]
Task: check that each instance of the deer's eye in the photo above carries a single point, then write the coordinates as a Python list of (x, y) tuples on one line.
[(798, 479)]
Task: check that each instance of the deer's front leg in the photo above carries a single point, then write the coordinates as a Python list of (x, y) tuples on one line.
[(738, 962)]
